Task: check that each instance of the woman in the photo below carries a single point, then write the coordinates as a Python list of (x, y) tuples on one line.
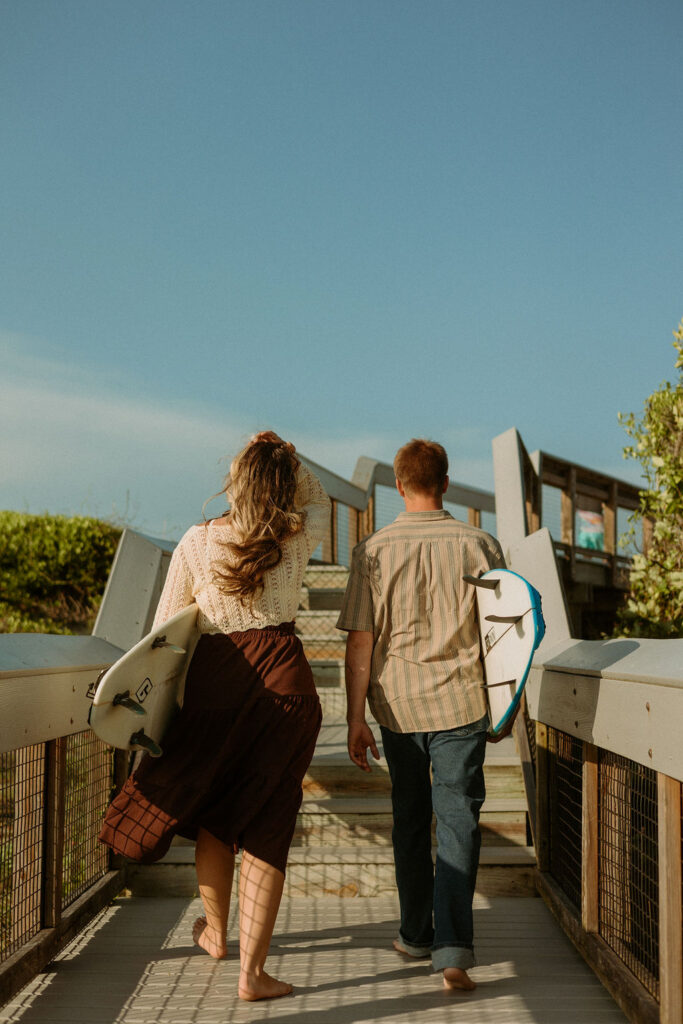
[(236, 754)]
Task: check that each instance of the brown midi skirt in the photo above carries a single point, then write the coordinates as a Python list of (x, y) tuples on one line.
[(234, 757)]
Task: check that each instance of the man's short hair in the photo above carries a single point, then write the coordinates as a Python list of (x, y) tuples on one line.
[(422, 466)]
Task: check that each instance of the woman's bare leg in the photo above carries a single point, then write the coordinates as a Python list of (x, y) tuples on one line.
[(215, 864), (260, 893)]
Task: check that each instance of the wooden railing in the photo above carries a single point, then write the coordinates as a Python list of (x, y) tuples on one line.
[(358, 508), (600, 745), (609, 766), (587, 513), (56, 780), (56, 777)]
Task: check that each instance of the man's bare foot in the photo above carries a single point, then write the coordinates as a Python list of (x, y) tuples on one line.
[(206, 939), (261, 986), (455, 978), (400, 948)]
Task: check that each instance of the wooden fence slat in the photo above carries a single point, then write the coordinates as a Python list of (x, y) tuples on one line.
[(670, 910), (55, 789), (542, 799), (589, 839)]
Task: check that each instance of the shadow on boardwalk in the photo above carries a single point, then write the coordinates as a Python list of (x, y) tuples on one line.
[(135, 964)]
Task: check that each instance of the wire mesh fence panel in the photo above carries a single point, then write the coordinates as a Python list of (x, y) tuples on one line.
[(89, 782), (343, 545), (488, 522), (628, 865), (316, 620), (22, 777), (565, 763), (551, 510), (388, 504)]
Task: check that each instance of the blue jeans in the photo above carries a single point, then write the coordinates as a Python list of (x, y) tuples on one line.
[(436, 905)]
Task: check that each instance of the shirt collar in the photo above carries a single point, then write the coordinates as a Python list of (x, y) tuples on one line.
[(423, 517)]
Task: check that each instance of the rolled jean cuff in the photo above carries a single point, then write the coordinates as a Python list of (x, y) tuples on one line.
[(453, 956), (413, 950)]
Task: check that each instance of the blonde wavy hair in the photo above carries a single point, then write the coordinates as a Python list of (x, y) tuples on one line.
[(261, 487)]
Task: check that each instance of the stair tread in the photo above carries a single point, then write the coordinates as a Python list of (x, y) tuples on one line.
[(490, 855), (335, 754), (382, 804)]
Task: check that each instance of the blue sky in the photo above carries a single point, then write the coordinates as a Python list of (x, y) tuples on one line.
[(355, 221)]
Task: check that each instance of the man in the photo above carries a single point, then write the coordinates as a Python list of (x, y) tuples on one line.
[(413, 651)]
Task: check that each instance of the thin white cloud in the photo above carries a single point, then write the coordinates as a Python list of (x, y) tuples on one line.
[(70, 443)]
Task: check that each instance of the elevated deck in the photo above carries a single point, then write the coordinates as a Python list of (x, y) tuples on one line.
[(135, 964)]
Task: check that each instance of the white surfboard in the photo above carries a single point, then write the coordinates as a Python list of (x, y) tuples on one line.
[(511, 627), (136, 698)]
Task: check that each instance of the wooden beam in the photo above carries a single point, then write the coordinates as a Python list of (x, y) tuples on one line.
[(474, 516), (542, 799), (329, 538), (524, 749), (670, 915), (55, 789), (568, 515), (589, 839)]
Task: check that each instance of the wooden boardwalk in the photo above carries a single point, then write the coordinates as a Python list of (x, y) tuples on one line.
[(135, 964)]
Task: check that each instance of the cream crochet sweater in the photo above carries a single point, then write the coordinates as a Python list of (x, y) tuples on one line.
[(189, 574)]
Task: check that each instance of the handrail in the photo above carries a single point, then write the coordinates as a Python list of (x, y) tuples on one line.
[(358, 496), (369, 473), (60, 877), (601, 751)]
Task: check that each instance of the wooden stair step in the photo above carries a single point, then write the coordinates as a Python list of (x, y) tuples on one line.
[(325, 576), (339, 871), (321, 598)]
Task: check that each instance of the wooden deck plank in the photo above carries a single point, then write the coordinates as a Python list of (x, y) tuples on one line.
[(135, 964)]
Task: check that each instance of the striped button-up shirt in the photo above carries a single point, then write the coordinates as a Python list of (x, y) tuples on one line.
[(406, 587)]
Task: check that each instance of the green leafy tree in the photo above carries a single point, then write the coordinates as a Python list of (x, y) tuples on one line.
[(655, 604), (53, 570)]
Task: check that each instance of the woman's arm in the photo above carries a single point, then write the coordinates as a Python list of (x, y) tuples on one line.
[(178, 588)]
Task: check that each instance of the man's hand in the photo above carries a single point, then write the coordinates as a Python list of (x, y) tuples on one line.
[(360, 738), (506, 731)]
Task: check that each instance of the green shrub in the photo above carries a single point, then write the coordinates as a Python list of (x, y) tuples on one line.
[(655, 604), (53, 570)]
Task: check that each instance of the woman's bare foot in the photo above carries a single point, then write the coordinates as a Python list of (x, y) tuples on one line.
[(206, 939), (455, 978), (261, 986)]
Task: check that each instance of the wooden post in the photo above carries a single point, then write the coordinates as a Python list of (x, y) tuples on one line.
[(334, 532), (522, 723), (354, 529), (670, 916), (542, 802), (568, 515), (329, 538), (368, 518), (589, 839), (55, 788), (609, 520), (474, 516), (532, 488)]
